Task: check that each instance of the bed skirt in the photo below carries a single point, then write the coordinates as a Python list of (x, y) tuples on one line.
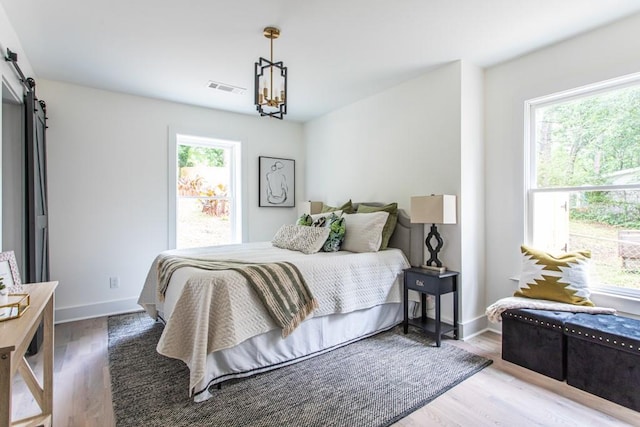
[(312, 338)]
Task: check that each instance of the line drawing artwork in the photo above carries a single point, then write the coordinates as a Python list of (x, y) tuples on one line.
[(277, 182)]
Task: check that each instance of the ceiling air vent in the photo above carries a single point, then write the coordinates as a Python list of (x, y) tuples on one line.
[(226, 87)]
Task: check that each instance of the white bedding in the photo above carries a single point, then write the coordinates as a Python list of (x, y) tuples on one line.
[(208, 312)]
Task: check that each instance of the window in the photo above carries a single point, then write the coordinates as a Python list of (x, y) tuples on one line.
[(204, 207), (583, 178)]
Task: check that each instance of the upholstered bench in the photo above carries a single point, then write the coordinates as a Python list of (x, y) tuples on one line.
[(534, 339), (603, 356)]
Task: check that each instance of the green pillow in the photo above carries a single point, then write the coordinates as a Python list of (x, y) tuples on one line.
[(346, 208), (337, 231), (305, 219), (390, 225)]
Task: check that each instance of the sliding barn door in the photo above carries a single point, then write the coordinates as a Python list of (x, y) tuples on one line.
[(37, 238)]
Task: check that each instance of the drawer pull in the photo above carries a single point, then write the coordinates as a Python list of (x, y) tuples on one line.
[(419, 282)]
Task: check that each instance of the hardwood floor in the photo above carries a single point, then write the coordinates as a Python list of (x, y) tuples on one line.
[(502, 394)]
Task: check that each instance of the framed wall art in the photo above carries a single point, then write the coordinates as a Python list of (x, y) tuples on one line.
[(277, 182), (9, 269)]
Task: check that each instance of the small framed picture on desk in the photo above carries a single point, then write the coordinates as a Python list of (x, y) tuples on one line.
[(9, 269)]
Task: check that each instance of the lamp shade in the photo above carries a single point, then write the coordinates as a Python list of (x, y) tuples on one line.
[(310, 208), (434, 209)]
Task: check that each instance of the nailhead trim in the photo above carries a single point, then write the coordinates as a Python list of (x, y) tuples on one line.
[(533, 320), (615, 341)]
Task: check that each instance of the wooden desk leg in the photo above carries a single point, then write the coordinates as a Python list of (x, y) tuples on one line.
[(5, 389), (47, 346)]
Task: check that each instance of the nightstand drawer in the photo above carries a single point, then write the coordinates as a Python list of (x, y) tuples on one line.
[(422, 282)]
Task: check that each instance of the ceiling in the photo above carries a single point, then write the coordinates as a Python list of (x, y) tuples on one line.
[(336, 51)]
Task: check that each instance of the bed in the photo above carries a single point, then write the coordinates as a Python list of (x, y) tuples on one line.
[(216, 324)]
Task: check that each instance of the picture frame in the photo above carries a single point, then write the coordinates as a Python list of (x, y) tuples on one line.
[(9, 269), (277, 182)]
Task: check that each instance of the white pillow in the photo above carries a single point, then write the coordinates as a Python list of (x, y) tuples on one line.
[(364, 231), (301, 238)]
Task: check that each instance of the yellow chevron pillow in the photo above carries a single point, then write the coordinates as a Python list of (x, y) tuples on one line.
[(563, 278)]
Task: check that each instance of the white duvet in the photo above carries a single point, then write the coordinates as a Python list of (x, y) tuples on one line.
[(217, 310)]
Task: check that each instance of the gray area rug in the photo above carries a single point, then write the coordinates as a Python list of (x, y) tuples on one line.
[(372, 382)]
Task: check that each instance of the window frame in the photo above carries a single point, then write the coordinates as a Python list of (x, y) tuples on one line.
[(529, 167), (236, 182)]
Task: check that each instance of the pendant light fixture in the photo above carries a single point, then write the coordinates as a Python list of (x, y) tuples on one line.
[(271, 82)]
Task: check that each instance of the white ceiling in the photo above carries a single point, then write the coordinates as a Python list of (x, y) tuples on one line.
[(337, 51)]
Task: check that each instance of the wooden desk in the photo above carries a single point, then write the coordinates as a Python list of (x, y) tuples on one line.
[(15, 336)]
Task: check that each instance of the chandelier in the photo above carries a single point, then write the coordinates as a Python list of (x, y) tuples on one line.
[(271, 82)]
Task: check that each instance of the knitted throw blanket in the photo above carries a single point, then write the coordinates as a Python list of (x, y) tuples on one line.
[(494, 311), (280, 286)]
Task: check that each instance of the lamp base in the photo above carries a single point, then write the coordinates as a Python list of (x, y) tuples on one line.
[(433, 252), (434, 268)]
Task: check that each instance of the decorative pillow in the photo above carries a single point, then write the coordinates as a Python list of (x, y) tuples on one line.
[(301, 238), (320, 220), (392, 220), (346, 208), (563, 278), (364, 231), (305, 219), (337, 231)]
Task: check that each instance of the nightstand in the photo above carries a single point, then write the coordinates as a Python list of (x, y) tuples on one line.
[(433, 283)]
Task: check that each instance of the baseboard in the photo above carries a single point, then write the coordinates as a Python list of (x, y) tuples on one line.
[(467, 329), (473, 327), (108, 308)]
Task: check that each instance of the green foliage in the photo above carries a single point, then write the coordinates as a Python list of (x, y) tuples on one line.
[(305, 219), (613, 212), (183, 156), (601, 197), (584, 141), (190, 155)]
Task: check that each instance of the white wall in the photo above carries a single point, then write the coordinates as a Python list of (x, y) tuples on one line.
[(10, 85), (399, 143), (403, 142), (12, 166), (472, 206), (108, 187), (603, 54), (9, 39)]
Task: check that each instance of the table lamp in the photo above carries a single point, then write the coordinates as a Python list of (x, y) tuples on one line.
[(310, 208), (434, 209)]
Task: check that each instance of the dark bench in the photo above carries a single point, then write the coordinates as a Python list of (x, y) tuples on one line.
[(597, 353), (534, 339), (603, 357)]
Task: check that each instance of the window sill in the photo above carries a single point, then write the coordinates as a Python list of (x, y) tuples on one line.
[(625, 304)]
